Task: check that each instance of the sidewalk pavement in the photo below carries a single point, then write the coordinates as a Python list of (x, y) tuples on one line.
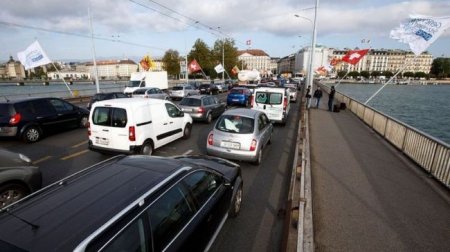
[(367, 196)]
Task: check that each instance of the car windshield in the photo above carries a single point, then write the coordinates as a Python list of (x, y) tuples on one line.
[(191, 102), (135, 83), (140, 91), (235, 124), (177, 88), (268, 98)]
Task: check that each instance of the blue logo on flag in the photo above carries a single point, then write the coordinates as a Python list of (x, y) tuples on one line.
[(425, 35)]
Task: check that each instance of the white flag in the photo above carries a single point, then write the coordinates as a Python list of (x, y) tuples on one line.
[(219, 68), (33, 56), (420, 31)]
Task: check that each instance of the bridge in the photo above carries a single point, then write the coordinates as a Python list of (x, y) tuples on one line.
[(366, 182)]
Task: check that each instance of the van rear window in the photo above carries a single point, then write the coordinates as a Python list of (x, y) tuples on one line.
[(269, 98), (111, 117)]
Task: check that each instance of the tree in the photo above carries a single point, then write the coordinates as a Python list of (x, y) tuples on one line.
[(375, 74), (419, 75), (408, 74), (230, 54), (341, 74), (353, 74), (365, 74), (388, 74), (440, 67), (201, 52), (171, 61)]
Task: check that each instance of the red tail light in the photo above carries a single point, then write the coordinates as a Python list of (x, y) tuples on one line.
[(131, 133), (252, 100), (285, 103), (201, 110), (89, 128), (253, 145), (15, 119), (210, 139)]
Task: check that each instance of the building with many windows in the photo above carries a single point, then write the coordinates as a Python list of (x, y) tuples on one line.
[(321, 58), (255, 59), (110, 69)]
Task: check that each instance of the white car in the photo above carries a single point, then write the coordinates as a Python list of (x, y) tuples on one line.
[(131, 125), (151, 92), (179, 92)]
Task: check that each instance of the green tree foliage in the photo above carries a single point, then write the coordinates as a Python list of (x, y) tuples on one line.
[(341, 74), (388, 74), (365, 74), (408, 74), (420, 75), (171, 61), (440, 67), (375, 74), (230, 54), (201, 52), (353, 74)]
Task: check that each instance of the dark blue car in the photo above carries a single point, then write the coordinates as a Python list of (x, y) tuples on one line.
[(240, 96)]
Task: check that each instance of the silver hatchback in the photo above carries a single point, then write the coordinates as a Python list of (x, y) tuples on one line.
[(240, 134)]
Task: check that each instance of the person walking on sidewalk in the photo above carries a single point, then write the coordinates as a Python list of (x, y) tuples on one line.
[(331, 98), (308, 97), (317, 95)]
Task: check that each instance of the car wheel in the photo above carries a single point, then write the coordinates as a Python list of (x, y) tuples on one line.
[(147, 149), (31, 134), (84, 121), (187, 131), (258, 158), (236, 203), (209, 118), (10, 193)]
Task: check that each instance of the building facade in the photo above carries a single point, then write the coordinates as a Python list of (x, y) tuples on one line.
[(12, 70), (321, 58), (110, 69), (255, 59)]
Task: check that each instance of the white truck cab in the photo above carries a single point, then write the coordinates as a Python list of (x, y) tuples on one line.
[(273, 101), (147, 79), (135, 125)]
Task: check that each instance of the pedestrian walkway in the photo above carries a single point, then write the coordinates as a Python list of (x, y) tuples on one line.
[(367, 196)]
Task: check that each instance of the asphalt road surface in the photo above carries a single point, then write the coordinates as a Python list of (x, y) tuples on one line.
[(260, 224)]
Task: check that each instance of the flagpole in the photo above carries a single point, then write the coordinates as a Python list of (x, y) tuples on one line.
[(379, 90), (93, 51), (339, 81), (71, 93)]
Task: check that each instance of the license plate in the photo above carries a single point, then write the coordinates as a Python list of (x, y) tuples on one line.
[(102, 141), (230, 145), (235, 99)]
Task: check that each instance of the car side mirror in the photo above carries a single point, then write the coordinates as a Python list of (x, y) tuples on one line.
[(181, 113)]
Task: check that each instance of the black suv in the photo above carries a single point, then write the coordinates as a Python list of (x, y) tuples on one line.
[(30, 119), (105, 96), (208, 89), (128, 203)]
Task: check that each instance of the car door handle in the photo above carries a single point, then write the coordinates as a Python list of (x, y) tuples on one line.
[(264, 106), (105, 130), (164, 123), (170, 122), (59, 114), (39, 117)]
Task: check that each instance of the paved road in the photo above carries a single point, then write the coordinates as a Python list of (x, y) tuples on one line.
[(257, 228), (367, 196)]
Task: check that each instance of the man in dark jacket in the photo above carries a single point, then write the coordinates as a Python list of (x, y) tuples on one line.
[(317, 95), (308, 97), (331, 98)]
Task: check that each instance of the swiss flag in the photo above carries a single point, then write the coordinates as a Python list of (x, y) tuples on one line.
[(354, 56), (194, 66)]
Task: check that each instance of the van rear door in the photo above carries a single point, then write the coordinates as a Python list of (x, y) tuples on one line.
[(270, 102), (109, 128)]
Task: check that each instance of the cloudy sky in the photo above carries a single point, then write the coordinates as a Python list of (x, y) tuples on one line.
[(133, 28)]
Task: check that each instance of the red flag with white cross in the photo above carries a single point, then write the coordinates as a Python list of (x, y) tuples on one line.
[(354, 56)]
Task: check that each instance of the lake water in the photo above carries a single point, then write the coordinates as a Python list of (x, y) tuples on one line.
[(426, 108)]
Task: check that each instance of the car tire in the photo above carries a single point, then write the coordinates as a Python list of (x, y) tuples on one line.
[(236, 203), (12, 192), (31, 134), (84, 121), (187, 131), (208, 118), (147, 148)]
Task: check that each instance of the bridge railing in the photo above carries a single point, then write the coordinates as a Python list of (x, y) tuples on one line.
[(430, 153)]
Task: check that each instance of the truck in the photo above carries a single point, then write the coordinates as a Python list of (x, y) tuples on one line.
[(248, 76), (147, 79)]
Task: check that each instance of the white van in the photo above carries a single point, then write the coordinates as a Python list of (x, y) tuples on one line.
[(273, 101), (134, 125)]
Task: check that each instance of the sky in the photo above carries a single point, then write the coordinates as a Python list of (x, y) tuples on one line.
[(133, 28)]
